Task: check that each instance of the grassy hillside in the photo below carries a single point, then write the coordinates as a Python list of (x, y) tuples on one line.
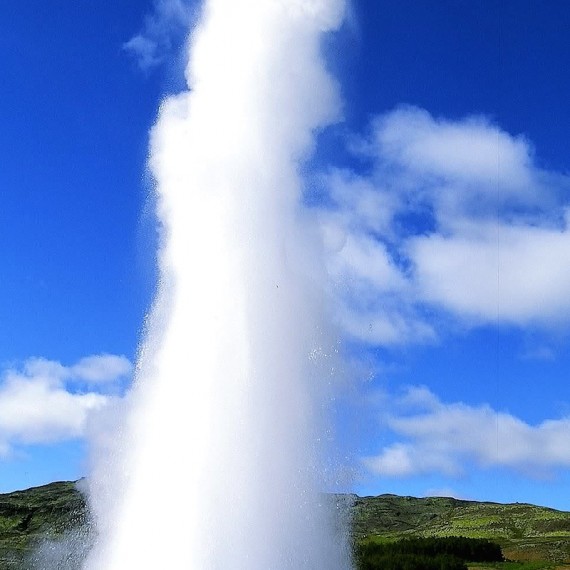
[(42, 516), (33, 517), (526, 532)]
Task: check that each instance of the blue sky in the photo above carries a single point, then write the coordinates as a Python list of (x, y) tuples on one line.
[(437, 93), (442, 197)]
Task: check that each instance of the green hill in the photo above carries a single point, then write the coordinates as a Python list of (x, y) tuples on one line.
[(54, 512), (525, 532), (32, 517)]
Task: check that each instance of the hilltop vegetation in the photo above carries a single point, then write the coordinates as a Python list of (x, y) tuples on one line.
[(56, 514), (525, 532), (37, 518)]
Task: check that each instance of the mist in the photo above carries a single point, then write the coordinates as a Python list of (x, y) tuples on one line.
[(217, 460)]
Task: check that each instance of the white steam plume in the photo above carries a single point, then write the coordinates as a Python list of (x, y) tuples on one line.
[(217, 466)]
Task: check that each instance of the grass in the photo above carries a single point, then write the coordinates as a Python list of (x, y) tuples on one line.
[(527, 533), (35, 515)]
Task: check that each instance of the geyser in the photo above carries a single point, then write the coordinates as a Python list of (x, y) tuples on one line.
[(216, 465)]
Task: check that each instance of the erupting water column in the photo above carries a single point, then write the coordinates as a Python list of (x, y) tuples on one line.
[(217, 465)]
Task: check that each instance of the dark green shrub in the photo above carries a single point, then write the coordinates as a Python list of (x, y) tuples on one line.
[(447, 553)]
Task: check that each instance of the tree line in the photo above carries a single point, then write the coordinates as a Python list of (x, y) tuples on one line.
[(446, 553)]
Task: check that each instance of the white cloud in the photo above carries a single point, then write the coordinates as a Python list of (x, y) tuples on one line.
[(101, 368), (470, 150), (434, 437), (94, 369), (361, 203), (162, 30), (513, 272), (456, 221), (146, 50), (365, 259), (384, 325), (39, 405)]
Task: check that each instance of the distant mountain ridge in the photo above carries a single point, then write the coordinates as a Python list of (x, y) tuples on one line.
[(525, 531)]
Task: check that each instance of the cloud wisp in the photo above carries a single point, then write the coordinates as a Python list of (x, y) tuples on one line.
[(45, 402), (447, 438), (163, 29), (455, 220)]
